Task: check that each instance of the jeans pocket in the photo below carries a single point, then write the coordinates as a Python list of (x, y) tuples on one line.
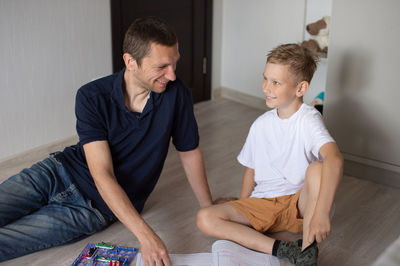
[(98, 214), (72, 198)]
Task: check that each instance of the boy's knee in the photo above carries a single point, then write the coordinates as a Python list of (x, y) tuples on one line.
[(204, 219)]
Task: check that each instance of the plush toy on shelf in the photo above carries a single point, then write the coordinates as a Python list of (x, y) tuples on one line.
[(319, 36)]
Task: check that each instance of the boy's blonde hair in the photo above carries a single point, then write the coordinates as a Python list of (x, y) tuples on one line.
[(302, 62)]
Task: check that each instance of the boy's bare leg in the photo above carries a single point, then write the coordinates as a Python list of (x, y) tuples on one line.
[(308, 198), (225, 222)]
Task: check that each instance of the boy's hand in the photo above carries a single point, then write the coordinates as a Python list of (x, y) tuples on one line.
[(154, 252), (320, 227), (223, 200)]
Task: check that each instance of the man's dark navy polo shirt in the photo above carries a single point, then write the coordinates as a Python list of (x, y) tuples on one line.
[(138, 141)]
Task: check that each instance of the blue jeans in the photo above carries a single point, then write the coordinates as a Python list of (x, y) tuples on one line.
[(40, 207)]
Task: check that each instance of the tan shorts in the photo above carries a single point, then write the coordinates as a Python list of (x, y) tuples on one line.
[(271, 214)]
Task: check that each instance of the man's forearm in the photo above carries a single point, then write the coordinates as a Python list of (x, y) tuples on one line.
[(152, 247), (193, 165), (119, 203), (101, 168)]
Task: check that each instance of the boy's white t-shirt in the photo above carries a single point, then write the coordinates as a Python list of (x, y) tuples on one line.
[(280, 150)]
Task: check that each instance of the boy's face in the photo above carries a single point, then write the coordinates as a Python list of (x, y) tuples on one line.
[(281, 89)]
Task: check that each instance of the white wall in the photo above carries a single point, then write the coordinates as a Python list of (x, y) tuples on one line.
[(249, 30), (48, 49), (362, 96)]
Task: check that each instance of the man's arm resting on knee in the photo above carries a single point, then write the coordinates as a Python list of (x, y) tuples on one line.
[(193, 165), (98, 157), (332, 171)]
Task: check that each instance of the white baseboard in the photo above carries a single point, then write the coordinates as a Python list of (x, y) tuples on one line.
[(372, 163), (375, 171), (216, 93), (371, 173)]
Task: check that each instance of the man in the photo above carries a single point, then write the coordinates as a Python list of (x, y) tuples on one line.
[(125, 122)]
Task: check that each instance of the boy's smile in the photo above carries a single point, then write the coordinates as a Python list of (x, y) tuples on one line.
[(281, 89), (270, 98)]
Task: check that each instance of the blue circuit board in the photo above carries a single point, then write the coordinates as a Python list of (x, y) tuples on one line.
[(105, 255)]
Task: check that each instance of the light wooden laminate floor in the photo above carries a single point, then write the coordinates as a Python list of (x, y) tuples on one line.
[(366, 220)]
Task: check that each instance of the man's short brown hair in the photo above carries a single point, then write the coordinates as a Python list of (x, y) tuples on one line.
[(144, 31), (302, 62)]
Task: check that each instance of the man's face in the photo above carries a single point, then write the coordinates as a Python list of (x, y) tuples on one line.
[(157, 68)]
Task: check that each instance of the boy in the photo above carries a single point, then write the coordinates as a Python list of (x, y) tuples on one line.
[(293, 168)]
